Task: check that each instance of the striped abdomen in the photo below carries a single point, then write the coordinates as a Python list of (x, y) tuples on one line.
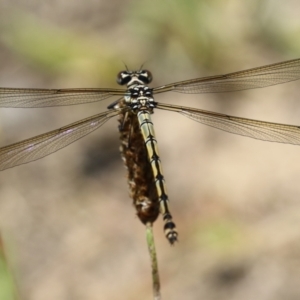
[(147, 130)]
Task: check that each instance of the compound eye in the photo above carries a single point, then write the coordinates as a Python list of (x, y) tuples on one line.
[(145, 76), (123, 78)]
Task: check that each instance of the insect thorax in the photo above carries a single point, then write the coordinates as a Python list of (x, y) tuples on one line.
[(140, 97)]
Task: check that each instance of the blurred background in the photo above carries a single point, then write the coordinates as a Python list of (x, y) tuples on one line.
[(68, 228)]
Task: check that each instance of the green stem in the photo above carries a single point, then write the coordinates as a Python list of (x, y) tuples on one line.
[(154, 266)]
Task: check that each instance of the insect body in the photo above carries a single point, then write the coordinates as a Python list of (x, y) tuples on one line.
[(140, 152)]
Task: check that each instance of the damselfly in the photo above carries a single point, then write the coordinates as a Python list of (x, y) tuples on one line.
[(138, 143)]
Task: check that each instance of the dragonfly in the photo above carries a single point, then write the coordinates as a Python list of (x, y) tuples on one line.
[(134, 107)]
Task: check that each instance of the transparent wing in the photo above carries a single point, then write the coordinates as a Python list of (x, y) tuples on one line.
[(18, 97), (47, 143), (242, 80), (266, 131)]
